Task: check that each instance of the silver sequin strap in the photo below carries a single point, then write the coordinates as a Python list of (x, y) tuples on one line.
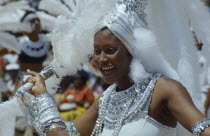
[(150, 88)]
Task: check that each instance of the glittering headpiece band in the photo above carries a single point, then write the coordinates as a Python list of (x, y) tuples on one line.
[(133, 8), (124, 17)]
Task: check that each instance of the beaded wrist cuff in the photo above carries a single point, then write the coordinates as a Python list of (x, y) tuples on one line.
[(200, 126), (45, 113), (41, 112)]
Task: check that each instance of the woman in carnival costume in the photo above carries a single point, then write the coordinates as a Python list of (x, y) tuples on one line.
[(145, 98)]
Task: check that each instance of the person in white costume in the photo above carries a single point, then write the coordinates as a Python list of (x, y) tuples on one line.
[(145, 98), (32, 49)]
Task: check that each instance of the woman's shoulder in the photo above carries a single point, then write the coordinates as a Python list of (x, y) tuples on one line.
[(169, 87), (165, 83)]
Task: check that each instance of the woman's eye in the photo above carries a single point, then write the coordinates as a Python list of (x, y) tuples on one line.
[(97, 51), (111, 50)]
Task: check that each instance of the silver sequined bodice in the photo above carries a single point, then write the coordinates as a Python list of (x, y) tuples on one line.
[(129, 102), (119, 109)]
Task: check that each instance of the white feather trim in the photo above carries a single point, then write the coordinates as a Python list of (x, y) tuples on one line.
[(54, 7), (15, 27), (170, 21), (199, 18), (71, 4), (9, 41), (12, 7), (170, 24), (148, 52), (11, 109), (47, 21), (137, 71)]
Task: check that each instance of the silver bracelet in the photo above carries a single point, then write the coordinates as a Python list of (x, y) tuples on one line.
[(41, 111), (200, 126), (72, 130), (46, 112)]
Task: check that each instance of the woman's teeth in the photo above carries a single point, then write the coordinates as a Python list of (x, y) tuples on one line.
[(107, 68)]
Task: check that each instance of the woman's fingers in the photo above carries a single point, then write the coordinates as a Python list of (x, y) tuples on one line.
[(32, 73), (38, 77), (39, 84), (30, 80)]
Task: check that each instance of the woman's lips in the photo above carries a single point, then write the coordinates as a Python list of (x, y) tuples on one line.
[(107, 70)]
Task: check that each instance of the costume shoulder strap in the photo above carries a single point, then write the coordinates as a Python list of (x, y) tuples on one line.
[(150, 89)]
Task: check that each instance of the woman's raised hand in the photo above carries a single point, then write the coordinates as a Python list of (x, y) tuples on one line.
[(39, 84)]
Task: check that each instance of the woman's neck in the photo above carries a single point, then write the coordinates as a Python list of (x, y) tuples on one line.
[(33, 37), (124, 84)]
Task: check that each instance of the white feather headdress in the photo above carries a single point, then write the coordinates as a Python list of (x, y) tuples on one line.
[(47, 21), (9, 41), (171, 24), (12, 7), (15, 27), (71, 4), (54, 7), (71, 35)]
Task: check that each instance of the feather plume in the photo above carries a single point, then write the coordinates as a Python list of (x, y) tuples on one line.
[(71, 4), (9, 41), (149, 53), (12, 7), (15, 27), (11, 109), (47, 21), (72, 39), (199, 18), (76, 34), (54, 7), (137, 72), (170, 24)]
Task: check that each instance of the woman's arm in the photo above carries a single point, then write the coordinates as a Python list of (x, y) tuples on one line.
[(180, 103), (207, 102), (86, 121)]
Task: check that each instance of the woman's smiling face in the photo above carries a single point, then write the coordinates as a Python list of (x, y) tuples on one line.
[(111, 57)]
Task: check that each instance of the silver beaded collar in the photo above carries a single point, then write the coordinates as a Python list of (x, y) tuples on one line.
[(117, 108)]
